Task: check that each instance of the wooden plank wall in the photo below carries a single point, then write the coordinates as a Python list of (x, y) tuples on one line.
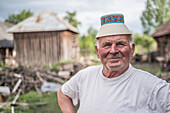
[(38, 48), (163, 47), (70, 45)]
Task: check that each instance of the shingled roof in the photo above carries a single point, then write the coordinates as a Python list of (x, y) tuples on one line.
[(162, 30), (44, 21)]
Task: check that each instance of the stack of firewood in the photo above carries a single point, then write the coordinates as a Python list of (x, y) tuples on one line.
[(165, 76), (28, 79)]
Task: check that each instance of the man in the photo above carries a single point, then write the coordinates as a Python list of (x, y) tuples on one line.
[(115, 86)]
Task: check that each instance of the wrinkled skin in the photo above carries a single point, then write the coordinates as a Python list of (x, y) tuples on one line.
[(115, 53)]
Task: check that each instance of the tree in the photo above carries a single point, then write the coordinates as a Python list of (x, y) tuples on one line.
[(146, 42), (71, 18), (16, 18), (88, 42), (156, 13)]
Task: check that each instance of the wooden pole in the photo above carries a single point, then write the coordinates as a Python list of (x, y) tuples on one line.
[(15, 99)]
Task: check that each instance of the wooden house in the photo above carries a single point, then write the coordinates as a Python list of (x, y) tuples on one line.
[(162, 36), (6, 42), (44, 39)]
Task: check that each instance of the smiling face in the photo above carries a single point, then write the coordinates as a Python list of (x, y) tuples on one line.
[(115, 52)]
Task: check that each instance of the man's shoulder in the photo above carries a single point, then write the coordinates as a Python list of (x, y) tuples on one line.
[(147, 77), (143, 72), (92, 68), (88, 72)]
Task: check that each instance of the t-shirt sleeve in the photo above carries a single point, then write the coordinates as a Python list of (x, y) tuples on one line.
[(71, 88), (160, 97)]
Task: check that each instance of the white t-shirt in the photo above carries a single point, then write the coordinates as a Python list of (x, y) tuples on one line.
[(135, 91)]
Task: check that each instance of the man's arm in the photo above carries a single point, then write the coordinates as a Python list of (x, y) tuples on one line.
[(65, 102)]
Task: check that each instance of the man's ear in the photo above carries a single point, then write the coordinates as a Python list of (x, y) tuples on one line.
[(97, 52), (133, 50)]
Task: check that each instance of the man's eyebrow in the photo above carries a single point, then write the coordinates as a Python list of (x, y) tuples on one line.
[(106, 42)]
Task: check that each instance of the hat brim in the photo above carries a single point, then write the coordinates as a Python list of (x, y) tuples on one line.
[(113, 29)]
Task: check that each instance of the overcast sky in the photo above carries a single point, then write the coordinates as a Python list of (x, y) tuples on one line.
[(88, 11)]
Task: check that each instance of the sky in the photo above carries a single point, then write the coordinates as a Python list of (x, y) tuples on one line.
[(88, 11)]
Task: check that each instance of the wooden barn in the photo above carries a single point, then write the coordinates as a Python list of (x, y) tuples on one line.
[(162, 36), (6, 43), (44, 39)]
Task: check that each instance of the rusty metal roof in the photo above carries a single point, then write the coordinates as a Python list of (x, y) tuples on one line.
[(162, 30), (44, 21)]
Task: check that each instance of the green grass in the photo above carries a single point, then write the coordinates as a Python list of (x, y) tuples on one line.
[(153, 68), (45, 103)]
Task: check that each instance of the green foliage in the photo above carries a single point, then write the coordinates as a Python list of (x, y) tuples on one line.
[(156, 13), (54, 67), (144, 43), (98, 63), (27, 66), (16, 18), (46, 67), (71, 18), (5, 110), (62, 63), (88, 42), (2, 65)]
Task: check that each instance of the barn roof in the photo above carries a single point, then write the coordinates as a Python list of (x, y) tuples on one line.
[(162, 30), (44, 21), (6, 43), (6, 39)]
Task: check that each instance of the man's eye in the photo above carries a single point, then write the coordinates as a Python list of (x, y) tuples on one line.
[(107, 44), (121, 44)]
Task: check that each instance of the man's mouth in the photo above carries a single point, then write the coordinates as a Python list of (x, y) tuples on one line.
[(117, 56), (114, 59)]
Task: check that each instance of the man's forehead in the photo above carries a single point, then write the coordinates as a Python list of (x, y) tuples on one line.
[(114, 37)]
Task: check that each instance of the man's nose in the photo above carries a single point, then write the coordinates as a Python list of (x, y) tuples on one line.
[(113, 49)]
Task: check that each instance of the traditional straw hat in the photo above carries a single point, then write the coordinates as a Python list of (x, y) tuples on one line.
[(112, 24)]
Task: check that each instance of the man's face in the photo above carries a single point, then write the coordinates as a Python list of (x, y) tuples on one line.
[(115, 52)]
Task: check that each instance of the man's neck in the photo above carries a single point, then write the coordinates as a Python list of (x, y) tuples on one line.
[(111, 73)]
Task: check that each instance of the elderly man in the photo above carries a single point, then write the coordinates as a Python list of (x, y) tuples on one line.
[(115, 86)]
